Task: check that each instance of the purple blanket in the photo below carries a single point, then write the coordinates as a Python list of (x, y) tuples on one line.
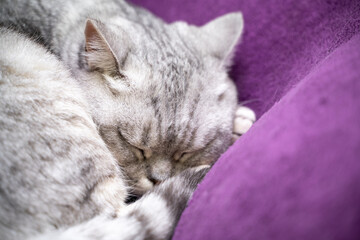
[(296, 173)]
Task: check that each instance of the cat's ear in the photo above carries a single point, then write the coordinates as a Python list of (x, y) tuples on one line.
[(221, 35), (99, 54)]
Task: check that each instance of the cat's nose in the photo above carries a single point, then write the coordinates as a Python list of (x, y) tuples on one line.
[(155, 181)]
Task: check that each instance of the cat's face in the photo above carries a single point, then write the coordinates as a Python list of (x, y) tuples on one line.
[(160, 95)]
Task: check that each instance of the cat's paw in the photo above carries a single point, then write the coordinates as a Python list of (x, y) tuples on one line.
[(244, 119)]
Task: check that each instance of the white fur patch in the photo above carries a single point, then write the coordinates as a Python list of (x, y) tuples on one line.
[(154, 208)]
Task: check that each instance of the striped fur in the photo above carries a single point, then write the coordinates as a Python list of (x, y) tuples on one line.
[(142, 102)]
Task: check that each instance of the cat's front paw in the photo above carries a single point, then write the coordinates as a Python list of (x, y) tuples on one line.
[(244, 119)]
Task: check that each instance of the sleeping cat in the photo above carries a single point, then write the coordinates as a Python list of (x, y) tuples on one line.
[(144, 104)]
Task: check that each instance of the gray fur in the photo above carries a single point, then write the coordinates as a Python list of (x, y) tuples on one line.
[(143, 101)]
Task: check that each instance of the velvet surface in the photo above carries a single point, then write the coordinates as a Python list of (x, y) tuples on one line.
[(296, 173)]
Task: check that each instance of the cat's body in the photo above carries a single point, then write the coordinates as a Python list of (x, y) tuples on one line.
[(48, 140), (143, 101)]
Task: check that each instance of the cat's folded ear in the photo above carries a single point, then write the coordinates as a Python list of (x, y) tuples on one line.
[(100, 55), (220, 36)]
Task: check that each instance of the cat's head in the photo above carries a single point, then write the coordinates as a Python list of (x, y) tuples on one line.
[(160, 93)]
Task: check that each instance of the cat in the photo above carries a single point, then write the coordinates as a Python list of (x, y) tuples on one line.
[(58, 180), (143, 105)]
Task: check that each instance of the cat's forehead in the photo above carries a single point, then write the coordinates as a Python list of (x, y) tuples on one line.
[(169, 75), (175, 80), (164, 46), (171, 61)]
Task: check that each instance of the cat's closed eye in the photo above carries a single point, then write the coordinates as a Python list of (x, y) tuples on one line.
[(139, 153), (182, 156)]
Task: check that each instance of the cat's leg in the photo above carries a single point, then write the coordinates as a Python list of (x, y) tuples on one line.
[(244, 119), (154, 216)]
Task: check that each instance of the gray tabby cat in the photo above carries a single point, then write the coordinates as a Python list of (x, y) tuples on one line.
[(144, 101)]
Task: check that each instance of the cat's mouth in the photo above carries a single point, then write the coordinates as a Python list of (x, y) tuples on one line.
[(155, 181), (143, 185)]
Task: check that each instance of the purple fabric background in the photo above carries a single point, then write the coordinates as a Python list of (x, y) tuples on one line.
[(296, 173)]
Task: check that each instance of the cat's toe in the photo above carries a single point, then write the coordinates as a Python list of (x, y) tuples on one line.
[(244, 119)]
